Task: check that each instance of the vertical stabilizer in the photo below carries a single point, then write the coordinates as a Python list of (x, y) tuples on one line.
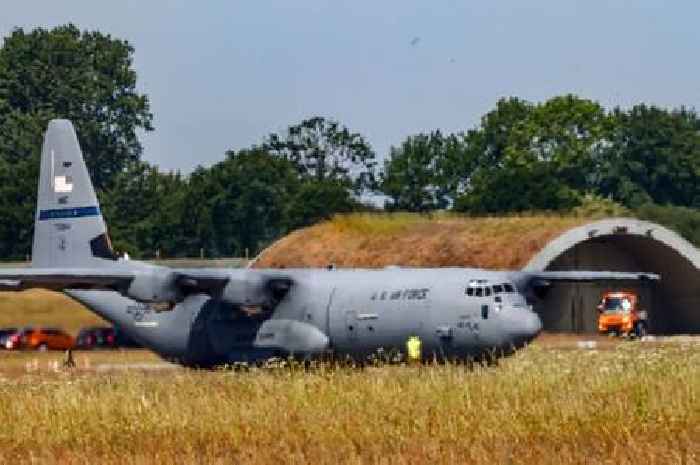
[(69, 230)]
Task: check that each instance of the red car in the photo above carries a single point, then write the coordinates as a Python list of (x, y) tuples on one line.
[(40, 339)]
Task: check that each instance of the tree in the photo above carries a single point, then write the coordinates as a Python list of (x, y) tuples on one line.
[(498, 131), (654, 156), (86, 77), (250, 202), (416, 176), (17, 207), (144, 209), (324, 150), (315, 201), (197, 226), (541, 157), (63, 73), (685, 221), (20, 135)]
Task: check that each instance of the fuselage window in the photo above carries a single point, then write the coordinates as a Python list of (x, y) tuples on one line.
[(470, 291), (497, 289), (479, 291), (484, 312), (508, 287)]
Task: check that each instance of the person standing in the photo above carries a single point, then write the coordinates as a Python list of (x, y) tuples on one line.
[(413, 349)]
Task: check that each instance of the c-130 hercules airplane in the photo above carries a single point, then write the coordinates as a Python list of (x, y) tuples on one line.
[(209, 317)]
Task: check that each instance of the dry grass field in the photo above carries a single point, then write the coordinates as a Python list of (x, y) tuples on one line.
[(44, 308), (377, 240), (634, 403), (39, 307)]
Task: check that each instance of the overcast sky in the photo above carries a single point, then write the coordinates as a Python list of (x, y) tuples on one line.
[(223, 74)]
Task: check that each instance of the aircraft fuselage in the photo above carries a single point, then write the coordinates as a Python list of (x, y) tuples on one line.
[(355, 313)]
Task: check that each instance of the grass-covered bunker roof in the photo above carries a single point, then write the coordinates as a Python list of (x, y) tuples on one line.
[(378, 240)]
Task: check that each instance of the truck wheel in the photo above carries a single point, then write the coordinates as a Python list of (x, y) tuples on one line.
[(640, 330), (42, 347)]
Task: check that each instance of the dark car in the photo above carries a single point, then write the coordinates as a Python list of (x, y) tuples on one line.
[(103, 337), (5, 334), (96, 338)]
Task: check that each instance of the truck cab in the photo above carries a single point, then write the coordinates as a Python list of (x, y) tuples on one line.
[(620, 313)]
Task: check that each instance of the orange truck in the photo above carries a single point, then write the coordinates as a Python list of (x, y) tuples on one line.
[(620, 313)]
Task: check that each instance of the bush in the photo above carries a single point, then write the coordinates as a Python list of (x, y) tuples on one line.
[(595, 206), (683, 220)]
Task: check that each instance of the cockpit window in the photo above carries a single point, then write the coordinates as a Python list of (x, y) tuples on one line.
[(497, 289), (487, 291), (479, 291), (508, 287), (470, 291)]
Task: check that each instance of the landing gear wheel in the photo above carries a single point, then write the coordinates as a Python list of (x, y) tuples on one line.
[(640, 330), (42, 347)]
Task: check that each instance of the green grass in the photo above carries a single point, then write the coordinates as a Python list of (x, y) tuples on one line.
[(634, 404)]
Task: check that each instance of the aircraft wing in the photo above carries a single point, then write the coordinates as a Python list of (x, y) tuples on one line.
[(538, 283), (240, 286), (189, 281), (58, 278), (205, 281), (589, 276), (156, 284)]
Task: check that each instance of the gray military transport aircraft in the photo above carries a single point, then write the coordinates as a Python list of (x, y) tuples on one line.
[(209, 317)]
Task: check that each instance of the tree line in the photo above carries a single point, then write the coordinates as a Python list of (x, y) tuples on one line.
[(547, 156), (522, 156)]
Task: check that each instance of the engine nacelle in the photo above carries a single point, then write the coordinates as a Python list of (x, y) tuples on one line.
[(152, 286), (256, 289)]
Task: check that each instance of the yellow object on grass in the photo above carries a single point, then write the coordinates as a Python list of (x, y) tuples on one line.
[(413, 348)]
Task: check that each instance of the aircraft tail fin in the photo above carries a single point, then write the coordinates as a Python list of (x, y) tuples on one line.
[(69, 230)]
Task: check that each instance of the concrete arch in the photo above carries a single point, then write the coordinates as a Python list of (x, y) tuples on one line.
[(623, 244)]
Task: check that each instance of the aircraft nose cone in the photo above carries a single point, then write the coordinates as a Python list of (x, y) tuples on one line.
[(533, 325), (528, 327)]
